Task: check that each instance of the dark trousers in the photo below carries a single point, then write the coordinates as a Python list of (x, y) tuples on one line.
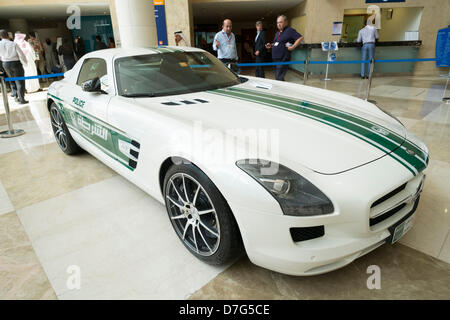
[(15, 69), (280, 70), (225, 61), (259, 69), (233, 66), (69, 62)]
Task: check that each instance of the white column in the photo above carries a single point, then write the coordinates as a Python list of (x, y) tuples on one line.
[(18, 25), (136, 22)]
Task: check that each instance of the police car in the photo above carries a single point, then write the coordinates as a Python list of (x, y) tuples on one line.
[(303, 180)]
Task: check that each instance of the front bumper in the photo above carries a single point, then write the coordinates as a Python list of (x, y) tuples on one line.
[(348, 233), (277, 251)]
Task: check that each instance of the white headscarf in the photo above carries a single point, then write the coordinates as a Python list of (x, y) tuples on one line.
[(180, 33), (19, 38)]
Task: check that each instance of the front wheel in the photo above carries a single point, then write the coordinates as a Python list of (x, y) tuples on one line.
[(200, 215)]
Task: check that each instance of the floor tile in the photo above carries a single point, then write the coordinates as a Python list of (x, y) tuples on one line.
[(445, 250), (43, 172), (432, 219), (405, 274), (121, 239), (5, 204), (21, 274), (35, 135)]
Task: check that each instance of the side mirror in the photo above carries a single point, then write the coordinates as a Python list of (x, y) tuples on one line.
[(92, 85)]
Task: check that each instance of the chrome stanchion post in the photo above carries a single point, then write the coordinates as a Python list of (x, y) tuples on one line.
[(369, 84), (10, 133), (444, 98), (305, 75), (328, 62)]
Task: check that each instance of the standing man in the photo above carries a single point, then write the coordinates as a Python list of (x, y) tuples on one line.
[(79, 48), (99, 44), (67, 53), (180, 39), (38, 51), (225, 43), (260, 49), (285, 41), (12, 58), (368, 36)]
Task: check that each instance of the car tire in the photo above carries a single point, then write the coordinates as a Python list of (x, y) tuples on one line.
[(201, 216), (61, 132)]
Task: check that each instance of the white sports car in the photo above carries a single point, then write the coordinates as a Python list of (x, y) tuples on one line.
[(305, 180)]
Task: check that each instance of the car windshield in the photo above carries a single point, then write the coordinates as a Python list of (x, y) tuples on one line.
[(171, 73)]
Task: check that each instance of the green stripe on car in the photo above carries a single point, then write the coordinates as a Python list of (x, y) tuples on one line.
[(406, 144), (97, 132), (360, 129)]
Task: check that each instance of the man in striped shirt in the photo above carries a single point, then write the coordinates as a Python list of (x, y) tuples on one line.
[(225, 43)]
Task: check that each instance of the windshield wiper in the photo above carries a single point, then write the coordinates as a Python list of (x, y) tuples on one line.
[(138, 95)]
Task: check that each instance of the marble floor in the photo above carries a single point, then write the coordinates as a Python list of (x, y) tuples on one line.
[(127, 249)]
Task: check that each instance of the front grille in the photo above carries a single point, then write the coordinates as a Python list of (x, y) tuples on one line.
[(390, 213), (389, 195), (307, 233), (393, 202)]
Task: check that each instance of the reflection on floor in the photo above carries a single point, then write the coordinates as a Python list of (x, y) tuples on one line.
[(58, 211)]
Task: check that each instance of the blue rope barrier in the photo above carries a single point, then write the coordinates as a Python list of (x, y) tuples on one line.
[(51, 75), (405, 60), (340, 62), (251, 64), (193, 66)]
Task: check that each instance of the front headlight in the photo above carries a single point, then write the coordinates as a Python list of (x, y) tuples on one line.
[(296, 195)]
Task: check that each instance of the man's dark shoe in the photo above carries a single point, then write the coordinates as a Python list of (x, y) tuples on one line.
[(23, 102)]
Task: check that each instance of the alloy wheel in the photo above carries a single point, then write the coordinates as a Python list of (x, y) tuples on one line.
[(192, 214), (58, 128)]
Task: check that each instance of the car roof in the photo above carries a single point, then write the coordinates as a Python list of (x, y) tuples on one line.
[(110, 54)]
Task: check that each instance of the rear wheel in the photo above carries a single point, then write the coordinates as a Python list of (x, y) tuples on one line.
[(200, 215), (62, 134)]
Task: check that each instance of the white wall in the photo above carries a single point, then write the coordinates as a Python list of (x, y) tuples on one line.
[(53, 33), (299, 23), (403, 19)]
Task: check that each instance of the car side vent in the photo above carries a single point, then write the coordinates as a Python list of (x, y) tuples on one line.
[(135, 143), (307, 233), (187, 102), (177, 103)]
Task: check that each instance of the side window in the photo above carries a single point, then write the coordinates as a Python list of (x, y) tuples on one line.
[(92, 68)]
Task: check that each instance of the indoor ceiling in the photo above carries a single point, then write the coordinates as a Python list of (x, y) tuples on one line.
[(207, 12), (52, 11)]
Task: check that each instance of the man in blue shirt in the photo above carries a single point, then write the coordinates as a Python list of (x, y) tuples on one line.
[(225, 43), (285, 41)]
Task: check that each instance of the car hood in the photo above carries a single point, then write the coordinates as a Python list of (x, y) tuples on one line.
[(325, 131)]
